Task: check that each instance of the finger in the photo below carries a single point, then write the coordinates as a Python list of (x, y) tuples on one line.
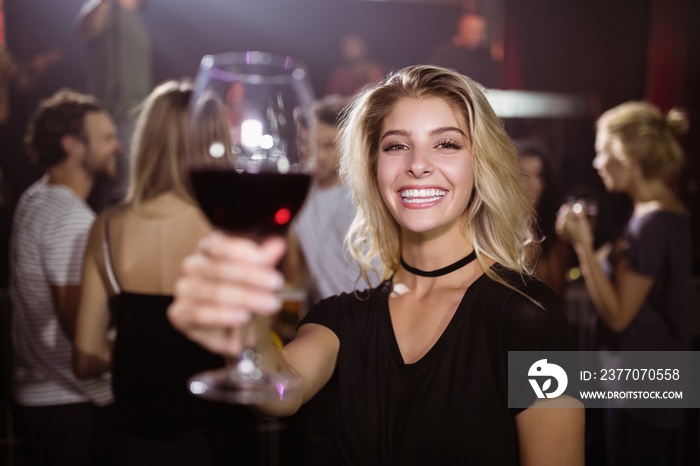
[(559, 226), (563, 210), (217, 341), (234, 340), (274, 248), (228, 295), (186, 315), (224, 246), (210, 327), (229, 342), (264, 277), (214, 329)]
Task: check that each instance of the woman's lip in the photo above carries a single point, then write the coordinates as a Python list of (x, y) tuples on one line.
[(421, 196), (403, 189)]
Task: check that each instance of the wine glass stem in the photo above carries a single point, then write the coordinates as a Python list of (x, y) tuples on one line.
[(247, 365)]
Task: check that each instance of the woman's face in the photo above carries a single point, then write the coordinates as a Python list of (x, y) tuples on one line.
[(425, 167), (612, 166), (532, 177)]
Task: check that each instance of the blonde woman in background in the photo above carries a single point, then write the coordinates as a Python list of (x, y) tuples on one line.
[(132, 261), (640, 285)]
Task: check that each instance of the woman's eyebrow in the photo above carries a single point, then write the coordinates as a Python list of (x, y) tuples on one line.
[(447, 129), (440, 130), (396, 132)]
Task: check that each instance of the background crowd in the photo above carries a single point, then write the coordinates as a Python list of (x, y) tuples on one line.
[(131, 55)]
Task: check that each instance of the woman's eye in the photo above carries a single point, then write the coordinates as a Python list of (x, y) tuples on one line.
[(394, 146), (449, 144)]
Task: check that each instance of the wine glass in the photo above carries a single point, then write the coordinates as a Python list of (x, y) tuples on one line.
[(250, 171)]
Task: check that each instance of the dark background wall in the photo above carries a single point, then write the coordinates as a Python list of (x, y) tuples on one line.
[(562, 45)]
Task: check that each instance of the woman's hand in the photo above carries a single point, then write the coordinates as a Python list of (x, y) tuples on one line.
[(227, 282), (572, 224)]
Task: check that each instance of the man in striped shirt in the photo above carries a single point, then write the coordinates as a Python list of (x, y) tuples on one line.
[(73, 137)]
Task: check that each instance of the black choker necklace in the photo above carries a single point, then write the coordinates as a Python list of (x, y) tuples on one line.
[(440, 272)]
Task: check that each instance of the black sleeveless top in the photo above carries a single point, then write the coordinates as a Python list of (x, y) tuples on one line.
[(151, 365)]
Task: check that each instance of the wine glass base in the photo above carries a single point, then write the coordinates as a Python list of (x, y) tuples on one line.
[(230, 386)]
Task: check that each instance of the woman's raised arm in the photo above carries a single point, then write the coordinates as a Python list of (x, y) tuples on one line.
[(231, 280)]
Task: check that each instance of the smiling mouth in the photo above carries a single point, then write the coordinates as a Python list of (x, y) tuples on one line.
[(420, 196)]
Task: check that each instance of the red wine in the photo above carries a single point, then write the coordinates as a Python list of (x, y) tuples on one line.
[(250, 204)]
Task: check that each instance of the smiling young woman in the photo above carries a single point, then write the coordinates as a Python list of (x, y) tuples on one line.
[(424, 354), (425, 168)]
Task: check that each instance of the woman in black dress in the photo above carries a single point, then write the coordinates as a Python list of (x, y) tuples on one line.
[(421, 360)]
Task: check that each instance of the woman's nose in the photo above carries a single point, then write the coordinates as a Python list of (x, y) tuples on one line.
[(420, 163)]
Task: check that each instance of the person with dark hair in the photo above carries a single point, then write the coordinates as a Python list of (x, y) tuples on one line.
[(73, 137), (317, 258), (640, 284), (421, 359), (131, 264), (549, 253)]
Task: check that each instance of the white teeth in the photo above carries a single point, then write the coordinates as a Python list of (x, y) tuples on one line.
[(422, 195)]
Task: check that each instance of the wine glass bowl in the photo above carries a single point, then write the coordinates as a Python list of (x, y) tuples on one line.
[(247, 111), (250, 174)]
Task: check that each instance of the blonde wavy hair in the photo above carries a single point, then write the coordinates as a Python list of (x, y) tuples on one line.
[(159, 145), (500, 219), (640, 132)]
